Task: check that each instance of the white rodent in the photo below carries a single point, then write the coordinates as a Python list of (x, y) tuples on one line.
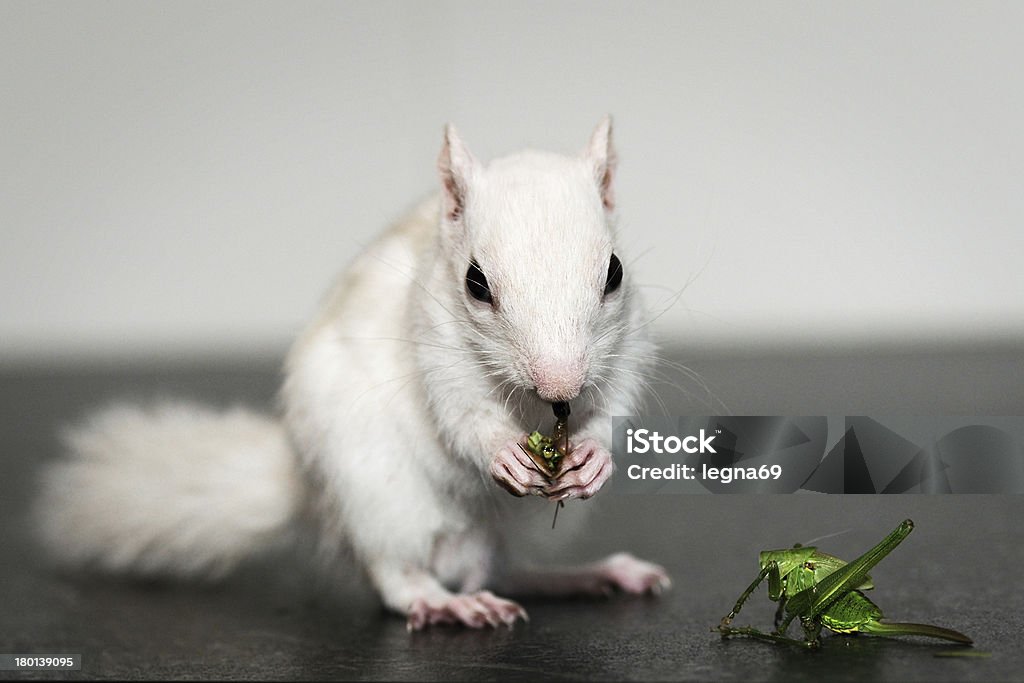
[(438, 349)]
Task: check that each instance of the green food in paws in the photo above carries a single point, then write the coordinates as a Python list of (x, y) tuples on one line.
[(548, 455)]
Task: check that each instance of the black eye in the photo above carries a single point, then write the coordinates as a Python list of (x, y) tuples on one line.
[(614, 275), (476, 283)]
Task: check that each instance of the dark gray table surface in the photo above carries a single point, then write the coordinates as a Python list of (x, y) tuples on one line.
[(276, 621)]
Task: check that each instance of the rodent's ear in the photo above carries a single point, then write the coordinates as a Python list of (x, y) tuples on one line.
[(600, 154), (455, 164)]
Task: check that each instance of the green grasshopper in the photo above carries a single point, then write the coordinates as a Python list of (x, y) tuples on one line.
[(823, 590)]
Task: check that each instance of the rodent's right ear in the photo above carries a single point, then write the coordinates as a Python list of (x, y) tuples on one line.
[(456, 166)]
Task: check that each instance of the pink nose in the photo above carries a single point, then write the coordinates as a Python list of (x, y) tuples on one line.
[(557, 381)]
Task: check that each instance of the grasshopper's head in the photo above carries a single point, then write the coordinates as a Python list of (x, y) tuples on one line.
[(816, 565), (788, 559), (787, 563)]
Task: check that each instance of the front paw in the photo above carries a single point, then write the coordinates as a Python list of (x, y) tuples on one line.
[(513, 469), (584, 472)]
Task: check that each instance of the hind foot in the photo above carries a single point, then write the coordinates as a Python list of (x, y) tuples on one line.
[(475, 610)]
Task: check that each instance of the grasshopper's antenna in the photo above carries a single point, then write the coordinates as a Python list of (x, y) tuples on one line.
[(822, 538)]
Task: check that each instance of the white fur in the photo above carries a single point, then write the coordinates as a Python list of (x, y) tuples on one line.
[(397, 396), (173, 489)]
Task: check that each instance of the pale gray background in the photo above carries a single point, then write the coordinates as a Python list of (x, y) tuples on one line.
[(188, 177)]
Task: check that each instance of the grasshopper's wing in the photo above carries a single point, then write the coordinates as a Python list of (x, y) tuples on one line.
[(814, 600), (825, 564)]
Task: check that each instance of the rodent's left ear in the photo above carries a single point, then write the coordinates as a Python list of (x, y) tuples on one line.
[(456, 166), (600, 154)]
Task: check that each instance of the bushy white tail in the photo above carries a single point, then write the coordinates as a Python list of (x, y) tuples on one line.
[(175, 489)]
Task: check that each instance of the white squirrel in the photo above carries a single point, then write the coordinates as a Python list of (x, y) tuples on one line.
[(444, 343)]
